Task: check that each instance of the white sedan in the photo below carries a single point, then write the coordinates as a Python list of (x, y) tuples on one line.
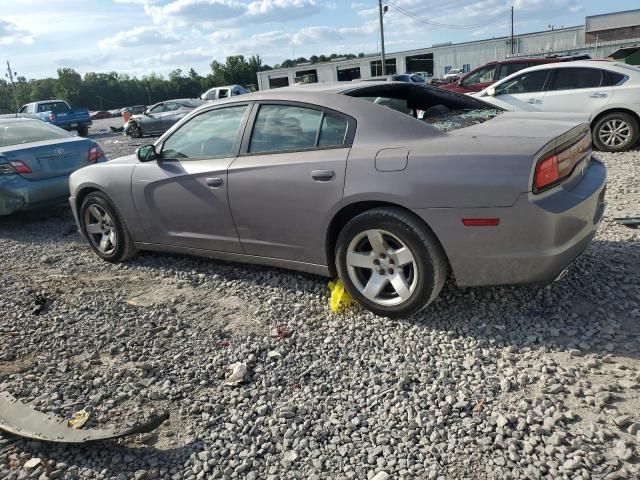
[(608, 91)]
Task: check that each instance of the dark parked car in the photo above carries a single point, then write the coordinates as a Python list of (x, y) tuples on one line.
[(158, 118), (481, 77), (322, 179)]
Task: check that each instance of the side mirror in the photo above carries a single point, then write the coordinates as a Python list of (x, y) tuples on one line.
[(491, 92), (147, 153)]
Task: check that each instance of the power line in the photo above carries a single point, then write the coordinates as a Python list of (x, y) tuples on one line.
[(444, 25)]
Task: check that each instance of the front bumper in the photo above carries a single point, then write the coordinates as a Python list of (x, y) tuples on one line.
[(537, 238)]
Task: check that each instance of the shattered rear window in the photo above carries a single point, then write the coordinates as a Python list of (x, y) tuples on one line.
[(457, 119)]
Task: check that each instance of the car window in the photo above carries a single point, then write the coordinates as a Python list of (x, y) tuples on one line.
[(574, 78), (399, 104), (611, 79), (507, 69), (210, 134), (223, 93), (171, 106), (53, 107), (332, 131), (24, 109), (19, 132), (417, 78), (284, 127), (524, 83), (157, 109), (481, 76)]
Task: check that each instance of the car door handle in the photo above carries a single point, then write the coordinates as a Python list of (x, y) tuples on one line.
[(533, 101), (322, 175), (214, 182), (598, 95)]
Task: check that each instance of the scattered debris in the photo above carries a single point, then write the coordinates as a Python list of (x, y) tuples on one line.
[(478, 406), (631, 222), (116, 129), (238, 371), (340, 299), (40, 302), (19, 418), (78, 419), (280, 332), (457, 119), (32, 463), (274, 354)]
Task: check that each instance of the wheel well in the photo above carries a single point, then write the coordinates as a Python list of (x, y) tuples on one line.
[(82, 194), (348, 212), (615, 110)]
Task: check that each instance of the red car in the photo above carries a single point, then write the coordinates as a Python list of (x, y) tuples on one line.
[(481, 77)]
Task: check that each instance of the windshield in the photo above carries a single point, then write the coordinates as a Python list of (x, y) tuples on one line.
[(19, 132)]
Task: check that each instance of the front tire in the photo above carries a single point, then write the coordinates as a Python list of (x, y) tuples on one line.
[(105, 229), (615, 132), (83, 131), (390, 262), (134, 131)]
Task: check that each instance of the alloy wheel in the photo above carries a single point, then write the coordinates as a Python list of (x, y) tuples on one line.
[(100, 229), (382, 267), (614, 133)]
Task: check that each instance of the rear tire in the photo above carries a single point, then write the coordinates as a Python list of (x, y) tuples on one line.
[(83, 131), (615, 132), (105, 229), (390, 262)]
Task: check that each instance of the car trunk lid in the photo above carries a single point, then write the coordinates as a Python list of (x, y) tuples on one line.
[(50, 158)]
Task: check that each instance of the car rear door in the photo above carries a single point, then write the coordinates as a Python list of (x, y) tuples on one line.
[(182, 198), (576, 90), (288, 180)]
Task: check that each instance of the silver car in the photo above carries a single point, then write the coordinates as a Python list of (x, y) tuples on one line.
[(326, 179), (160, 117)]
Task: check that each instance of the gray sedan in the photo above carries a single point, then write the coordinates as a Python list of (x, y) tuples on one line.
[(160, 117), (346, 179)]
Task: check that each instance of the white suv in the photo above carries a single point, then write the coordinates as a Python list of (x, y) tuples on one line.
[(218, 93), (609, 92)]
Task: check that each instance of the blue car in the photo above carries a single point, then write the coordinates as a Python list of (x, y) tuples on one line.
[(36, 160)]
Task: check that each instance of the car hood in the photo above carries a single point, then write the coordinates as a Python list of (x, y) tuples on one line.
[(127, 160)]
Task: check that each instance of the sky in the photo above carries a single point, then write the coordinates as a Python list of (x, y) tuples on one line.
[(139, 37)]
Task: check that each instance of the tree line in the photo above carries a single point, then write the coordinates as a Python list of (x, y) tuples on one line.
[(106, 91)]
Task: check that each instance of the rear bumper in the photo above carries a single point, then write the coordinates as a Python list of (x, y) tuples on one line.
[(16, 193), (537, 238)]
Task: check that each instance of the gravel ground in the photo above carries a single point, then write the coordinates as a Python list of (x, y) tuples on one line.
[(516, 382)]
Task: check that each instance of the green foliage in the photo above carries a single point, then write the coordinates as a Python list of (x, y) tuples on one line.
[(115, 90)]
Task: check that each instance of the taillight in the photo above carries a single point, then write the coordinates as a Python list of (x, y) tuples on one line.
[(14, 166), (94, 154), (52, 117), (547, 172)]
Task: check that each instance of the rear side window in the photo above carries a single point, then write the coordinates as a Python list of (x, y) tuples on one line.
[(480, 76), (287, 127), (17, 133), (223, 93), (333, 131), (525, 83), (575, 78), (611, 79)]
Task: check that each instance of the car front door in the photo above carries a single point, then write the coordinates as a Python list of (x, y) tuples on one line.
[(181, 198), (522, 92), (288, 180), (576, 90)]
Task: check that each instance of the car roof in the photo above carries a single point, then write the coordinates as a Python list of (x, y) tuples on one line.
[(607, 64), (15, 117)]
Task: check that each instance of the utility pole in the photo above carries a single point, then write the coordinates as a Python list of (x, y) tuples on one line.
[(100, 98), (512, 44), (380, 9), (10, 73)]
